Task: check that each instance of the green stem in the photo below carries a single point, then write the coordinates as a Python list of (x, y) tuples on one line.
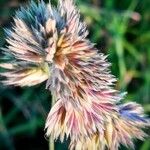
[(51, 140), (51, 144), (120, 54)]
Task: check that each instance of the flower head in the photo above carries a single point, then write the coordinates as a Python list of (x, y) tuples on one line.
[(49, 43)]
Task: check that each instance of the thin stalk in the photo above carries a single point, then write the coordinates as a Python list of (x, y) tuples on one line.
[(51, 144), (51, 140), (120, 54)]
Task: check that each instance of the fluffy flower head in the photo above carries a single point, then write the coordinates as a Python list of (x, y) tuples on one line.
[(50, 43)]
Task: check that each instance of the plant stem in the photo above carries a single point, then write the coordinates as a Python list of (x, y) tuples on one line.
[(51, 144), (51, 140), (122, 66)]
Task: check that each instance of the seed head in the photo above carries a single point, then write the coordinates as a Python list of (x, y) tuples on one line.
[(50, 43)]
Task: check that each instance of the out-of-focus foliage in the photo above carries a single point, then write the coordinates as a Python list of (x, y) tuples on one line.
[(121, 29)]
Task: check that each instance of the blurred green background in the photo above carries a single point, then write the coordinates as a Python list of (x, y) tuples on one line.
[(121, 29)]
